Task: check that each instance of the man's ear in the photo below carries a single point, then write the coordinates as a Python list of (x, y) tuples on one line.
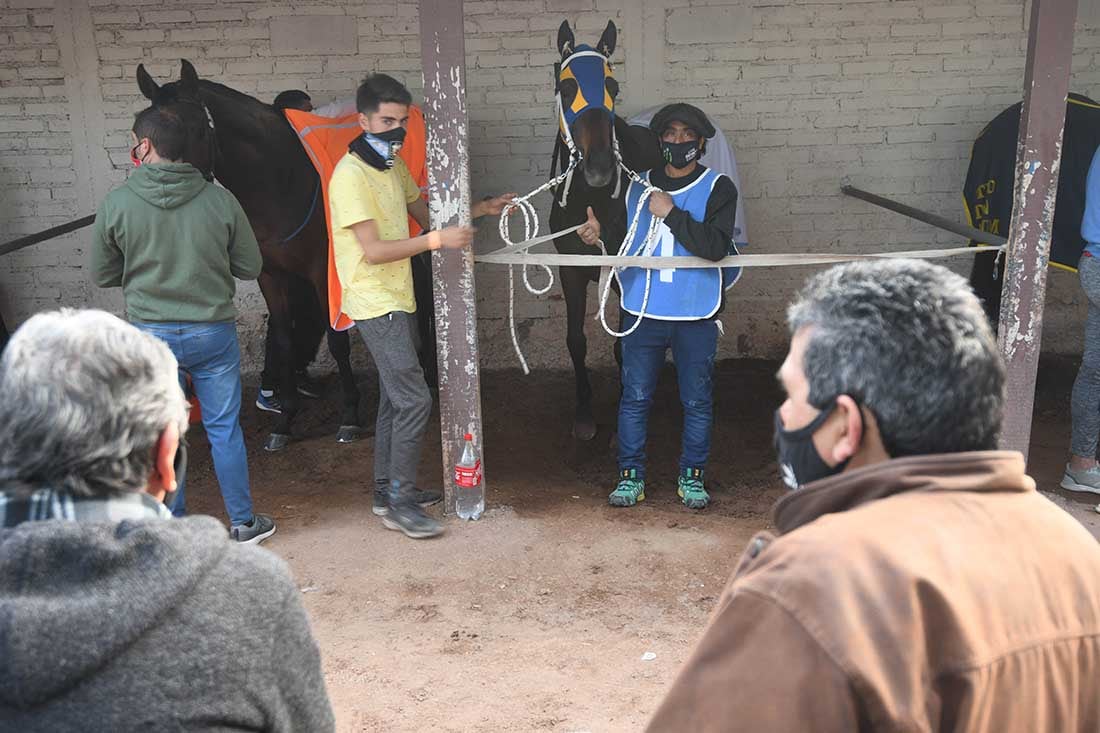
[(364, 122), (853, 429), (162, 479)]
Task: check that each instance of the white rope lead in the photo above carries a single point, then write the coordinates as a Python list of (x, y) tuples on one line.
[(530, 229), (649, 243)]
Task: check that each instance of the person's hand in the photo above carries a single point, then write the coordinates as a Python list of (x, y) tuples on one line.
[(457, 237), (660, 204), (590, 230), (491, 206)]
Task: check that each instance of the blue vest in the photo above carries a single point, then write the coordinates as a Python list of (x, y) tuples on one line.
[(688, 294)]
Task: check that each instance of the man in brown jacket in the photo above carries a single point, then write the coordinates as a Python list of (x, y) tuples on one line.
[(918, 581)]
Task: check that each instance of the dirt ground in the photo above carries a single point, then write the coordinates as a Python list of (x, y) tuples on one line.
[(537, 616)]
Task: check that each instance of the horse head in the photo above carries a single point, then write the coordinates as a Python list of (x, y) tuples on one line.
[(184, 97), (586, 91)]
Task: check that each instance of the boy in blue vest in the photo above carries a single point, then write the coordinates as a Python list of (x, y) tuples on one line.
[(698, 209)]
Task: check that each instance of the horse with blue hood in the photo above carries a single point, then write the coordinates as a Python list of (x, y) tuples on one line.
[(592, 148)]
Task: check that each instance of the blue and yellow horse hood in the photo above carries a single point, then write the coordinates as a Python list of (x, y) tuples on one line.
[(589, 71)]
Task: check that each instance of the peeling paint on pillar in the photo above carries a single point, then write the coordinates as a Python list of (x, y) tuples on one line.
[(1038, 161), (443, 55)]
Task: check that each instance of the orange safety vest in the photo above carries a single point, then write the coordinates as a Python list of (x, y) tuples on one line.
[(326, 140)]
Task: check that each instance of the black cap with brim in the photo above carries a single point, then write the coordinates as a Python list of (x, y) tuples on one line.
[(688, 114)]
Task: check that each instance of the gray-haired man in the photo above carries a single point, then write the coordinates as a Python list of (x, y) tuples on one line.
[(113, 615), (918, 582)]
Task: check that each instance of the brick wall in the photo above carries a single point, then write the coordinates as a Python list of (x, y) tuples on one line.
[(36, 163), (885, 94)]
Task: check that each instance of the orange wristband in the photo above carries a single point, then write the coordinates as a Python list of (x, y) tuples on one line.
[(434, 240)]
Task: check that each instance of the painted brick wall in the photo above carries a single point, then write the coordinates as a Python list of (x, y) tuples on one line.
[(36, 163), (885, 94)]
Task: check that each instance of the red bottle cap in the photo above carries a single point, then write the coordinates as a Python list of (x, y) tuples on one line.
[(468, 437)]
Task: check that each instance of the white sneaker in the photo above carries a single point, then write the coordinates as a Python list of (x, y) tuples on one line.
[(1087, 480)]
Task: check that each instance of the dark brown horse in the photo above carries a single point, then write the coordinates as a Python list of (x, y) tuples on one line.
[(252, 150), (599, 179)]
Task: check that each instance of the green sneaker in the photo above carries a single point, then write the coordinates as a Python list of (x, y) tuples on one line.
[(690, 489), (630, 490)]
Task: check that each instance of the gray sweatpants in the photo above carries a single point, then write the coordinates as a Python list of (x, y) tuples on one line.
[(404, 403), (1086, 388)]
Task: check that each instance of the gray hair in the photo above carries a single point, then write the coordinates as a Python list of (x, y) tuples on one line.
[(909, 341), (84, 398)]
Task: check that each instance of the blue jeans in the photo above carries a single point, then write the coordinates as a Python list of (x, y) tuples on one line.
[(694, 345), (209, 352)]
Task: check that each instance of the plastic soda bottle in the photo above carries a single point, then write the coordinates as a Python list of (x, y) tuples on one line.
[(470, 501)]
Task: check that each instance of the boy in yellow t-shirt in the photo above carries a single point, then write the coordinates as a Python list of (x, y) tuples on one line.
[(371, 195)]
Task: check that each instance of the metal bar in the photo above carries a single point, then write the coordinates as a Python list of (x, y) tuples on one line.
[(443, 56), (1038, 157), (32, 239), (927, 217)]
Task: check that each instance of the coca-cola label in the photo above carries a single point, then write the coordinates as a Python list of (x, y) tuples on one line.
[(468, 477)]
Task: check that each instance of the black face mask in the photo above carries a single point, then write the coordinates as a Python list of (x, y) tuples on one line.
[(680, 155), (379, 149), (799, 461), (179, 465)]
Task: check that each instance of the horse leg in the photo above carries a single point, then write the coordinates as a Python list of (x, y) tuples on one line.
[(309, 323), (269, 377), (425, 317), (274, 286), (339, 345), (574, 285)]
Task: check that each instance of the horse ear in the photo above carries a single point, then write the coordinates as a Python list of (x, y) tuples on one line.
[(189, 78), (146, 84), (606, 46), (566, 41)]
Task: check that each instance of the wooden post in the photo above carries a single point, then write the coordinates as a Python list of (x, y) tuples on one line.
[(1038, 156), (443, 55)]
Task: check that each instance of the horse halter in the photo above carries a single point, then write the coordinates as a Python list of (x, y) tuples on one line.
[(212, 140), (590, 70)]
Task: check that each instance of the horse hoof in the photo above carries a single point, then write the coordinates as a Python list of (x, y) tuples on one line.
[(584, 430), (276, 442), (349, 434)]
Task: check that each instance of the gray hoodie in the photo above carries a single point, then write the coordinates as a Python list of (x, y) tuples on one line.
[(162, 625)]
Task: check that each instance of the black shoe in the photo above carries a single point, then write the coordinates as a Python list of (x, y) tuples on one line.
[(411, 520), (255, 531), (420, 497), (425, 497)]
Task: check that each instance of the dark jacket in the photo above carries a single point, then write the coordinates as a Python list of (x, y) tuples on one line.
[(932, 593), (151, 625), (174, 242)]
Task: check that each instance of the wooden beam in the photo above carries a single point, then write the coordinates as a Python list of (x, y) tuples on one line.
[(443, 55), (1038, 156)]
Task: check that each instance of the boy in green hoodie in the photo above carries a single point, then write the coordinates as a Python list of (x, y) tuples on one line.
[(174, 242)]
